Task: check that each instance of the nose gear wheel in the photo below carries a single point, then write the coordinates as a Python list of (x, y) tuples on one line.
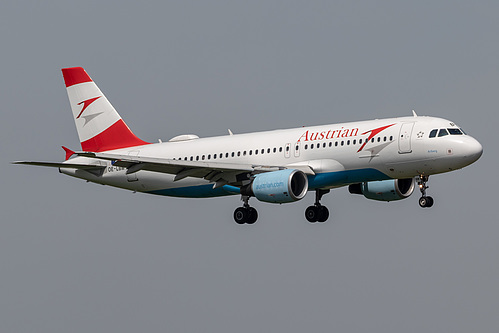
[(425, 201)]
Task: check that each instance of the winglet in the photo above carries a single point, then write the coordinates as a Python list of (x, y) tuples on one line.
[(68, 151)]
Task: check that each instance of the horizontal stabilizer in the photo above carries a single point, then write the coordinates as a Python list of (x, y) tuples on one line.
[(61, 165)]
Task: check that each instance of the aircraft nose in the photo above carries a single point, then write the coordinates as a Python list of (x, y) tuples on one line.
[(473, 150)]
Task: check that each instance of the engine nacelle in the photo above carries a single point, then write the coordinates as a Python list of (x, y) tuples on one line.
[(385, 190), (278, 186)]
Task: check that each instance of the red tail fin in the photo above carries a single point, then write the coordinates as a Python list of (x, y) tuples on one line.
[(98, 124)]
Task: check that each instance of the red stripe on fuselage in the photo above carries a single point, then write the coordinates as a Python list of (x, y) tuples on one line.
[(75, 75), (116, 136)]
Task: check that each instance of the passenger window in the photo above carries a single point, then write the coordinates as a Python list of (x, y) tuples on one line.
[(306, 146), (280, 149), (275, 149), (324, 145), (442, 132), (433, 133)]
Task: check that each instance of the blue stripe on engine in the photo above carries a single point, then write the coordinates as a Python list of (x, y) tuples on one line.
[(338, 178)]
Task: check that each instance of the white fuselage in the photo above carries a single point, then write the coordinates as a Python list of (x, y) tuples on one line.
[(338, 154)]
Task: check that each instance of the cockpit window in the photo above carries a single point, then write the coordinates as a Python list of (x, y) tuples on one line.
[(455, 131), (433, 133), (463, 131), (442, 132)]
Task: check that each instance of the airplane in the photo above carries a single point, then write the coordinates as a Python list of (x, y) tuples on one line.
[(382, 159)]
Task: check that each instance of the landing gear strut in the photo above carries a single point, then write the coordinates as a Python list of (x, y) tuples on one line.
[(425, 201), (245, 214), (317, 212)]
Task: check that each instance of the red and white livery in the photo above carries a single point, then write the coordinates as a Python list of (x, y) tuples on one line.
[(381, 159)]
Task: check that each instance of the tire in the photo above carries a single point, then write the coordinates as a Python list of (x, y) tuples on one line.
[(241, 215), (323, 214), (252, 215), (312, 214), (426, 202)]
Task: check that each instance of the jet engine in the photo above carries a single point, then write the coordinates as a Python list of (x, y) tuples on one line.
[(278, 186), (384, 190)]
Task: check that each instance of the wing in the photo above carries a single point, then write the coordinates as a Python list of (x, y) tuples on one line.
[(219, 173)]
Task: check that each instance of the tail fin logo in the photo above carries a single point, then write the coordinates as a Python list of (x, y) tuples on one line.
[(86, 104)]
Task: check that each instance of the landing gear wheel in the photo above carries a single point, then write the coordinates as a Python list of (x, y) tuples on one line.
[(323, 214), (312, 214), (426, 202), (241, 215), (253, 215), (245, 214), (317, 212)]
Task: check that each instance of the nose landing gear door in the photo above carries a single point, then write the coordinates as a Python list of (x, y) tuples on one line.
[(405, 138)]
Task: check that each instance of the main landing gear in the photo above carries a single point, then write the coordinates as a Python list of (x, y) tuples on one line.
[(425, 201), (317, 212), (245, 214)]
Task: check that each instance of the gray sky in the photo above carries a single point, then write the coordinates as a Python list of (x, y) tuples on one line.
[(78, 257)]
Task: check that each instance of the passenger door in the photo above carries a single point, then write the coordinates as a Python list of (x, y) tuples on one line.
[(405, 138)]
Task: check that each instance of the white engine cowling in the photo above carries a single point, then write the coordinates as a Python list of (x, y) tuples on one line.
[(385, 190), (278, 186)]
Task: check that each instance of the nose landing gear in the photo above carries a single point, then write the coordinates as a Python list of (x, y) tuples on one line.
[(425, 201), (245, 214), (317, 212)]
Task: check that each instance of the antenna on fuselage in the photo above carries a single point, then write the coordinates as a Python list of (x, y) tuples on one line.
[(230, 132), (414, 113)]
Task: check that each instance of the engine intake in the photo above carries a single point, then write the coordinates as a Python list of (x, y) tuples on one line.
[(384, 190), (278, 186)]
